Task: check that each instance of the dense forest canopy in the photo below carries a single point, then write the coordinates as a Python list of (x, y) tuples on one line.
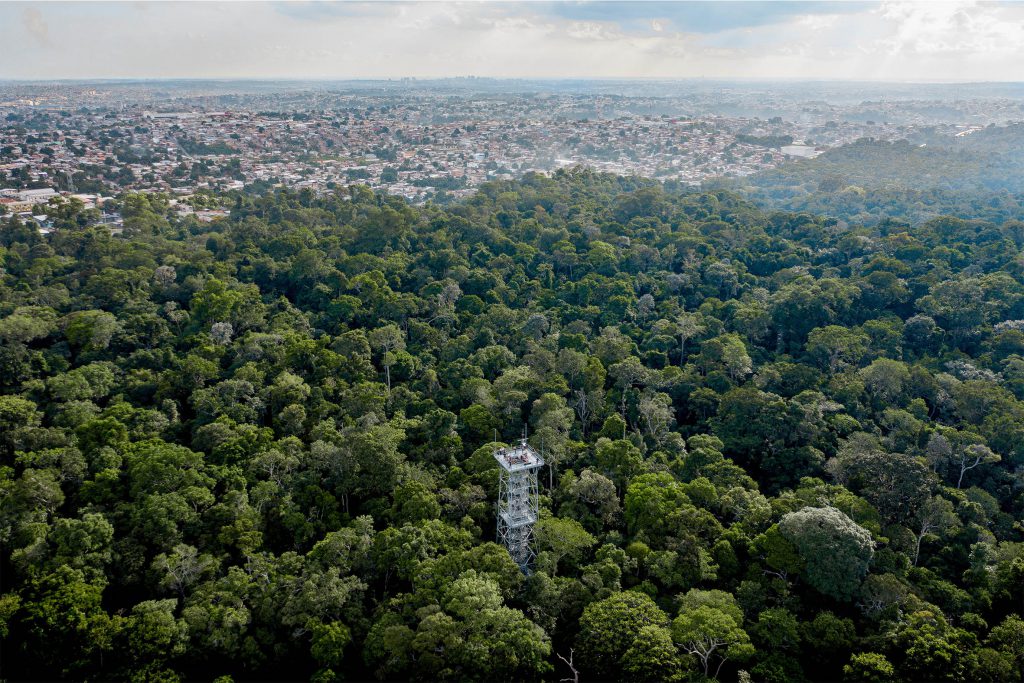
[(978, 174), (781, 447)]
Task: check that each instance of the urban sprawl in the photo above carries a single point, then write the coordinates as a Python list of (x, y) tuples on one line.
[(92, 144)]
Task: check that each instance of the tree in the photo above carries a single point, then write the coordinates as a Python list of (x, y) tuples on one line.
[(651, 500), (777, 629), (835, 346), (729, 353), (710, 628), (552, 419), (16, 415), (886, 379), (375, 453), (687, 326), (828, 639), (414, 502), (896, 484), (182, 567), (609, 627), (28, 323), (400, 550), (935, 517), (84, 543), (593, 500), (470, 635), (67, 628), (387, 340), (627, 373), (835, 550), (154, 634), (958, 305), (925, 647), (656, 412), (329, 643), (653, 657), (620, 460), (217, 615), (91, 330), (221, 333), (750, 421), (1007, 638), (969, 457), (960, 452), (562, 539), (869, 667)]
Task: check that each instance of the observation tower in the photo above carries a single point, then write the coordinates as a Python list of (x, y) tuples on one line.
[(518, 500)]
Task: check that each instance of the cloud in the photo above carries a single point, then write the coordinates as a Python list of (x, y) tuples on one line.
[(951, 28), (36, 26), (312, 10), (817, 40), (592, 30), (701, 16)]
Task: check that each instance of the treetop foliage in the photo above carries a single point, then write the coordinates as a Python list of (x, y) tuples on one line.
[(779, 447)]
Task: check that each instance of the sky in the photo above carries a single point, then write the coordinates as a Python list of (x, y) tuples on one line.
[(960, 41)]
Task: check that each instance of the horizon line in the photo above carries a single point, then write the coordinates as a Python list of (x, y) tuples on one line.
[(547, 79)]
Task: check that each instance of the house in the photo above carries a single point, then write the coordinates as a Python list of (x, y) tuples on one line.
[(16, 205), (37, 196)]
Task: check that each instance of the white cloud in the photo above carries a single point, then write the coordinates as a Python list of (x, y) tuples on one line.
[(900, 41), (947, 28)]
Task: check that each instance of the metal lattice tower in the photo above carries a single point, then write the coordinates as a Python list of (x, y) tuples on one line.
[(518, 500)]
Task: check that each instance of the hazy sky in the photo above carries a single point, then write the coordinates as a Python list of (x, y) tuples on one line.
[(945, 41)]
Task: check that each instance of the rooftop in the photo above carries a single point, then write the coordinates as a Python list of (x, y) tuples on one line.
[(518, 457)]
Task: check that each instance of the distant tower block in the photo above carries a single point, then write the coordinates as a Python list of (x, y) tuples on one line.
[(518, 500)]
